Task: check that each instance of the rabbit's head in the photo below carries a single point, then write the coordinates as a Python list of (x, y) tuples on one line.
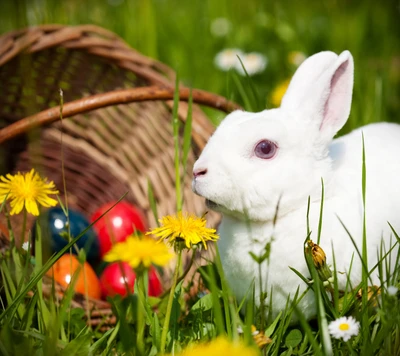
[(255, 160)]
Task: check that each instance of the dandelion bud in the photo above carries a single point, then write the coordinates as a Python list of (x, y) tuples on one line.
[(259, 337), (319, 260)]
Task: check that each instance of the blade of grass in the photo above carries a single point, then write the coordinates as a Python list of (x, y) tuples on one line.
[(364, 266), (285, 321), (321, 209), (242, 92), (175, 130), (254, 97), (111, 339), (217, 310), (27, 319), (321, 314), (226, 293), (308, 217), (366, 337), (246, 295), (38, 266), (187, 132), (152, 200), (8, 283), (335, 284)]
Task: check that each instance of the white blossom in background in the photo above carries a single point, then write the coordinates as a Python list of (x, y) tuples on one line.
[(25, 245), (296, 58), (228, 58), (392, 291), (344, 328), (220, 27), (253, 62), (254, 331)]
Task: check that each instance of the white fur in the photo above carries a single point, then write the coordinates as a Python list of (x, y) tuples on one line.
[(247, 189)]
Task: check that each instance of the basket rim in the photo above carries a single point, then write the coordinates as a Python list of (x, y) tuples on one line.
[(92, 38), (105, 44), (122, 96)]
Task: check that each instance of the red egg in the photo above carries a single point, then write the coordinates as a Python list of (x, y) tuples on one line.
[(116, 278), (65, 268), (116, 225), (119, 276), (155, 287)]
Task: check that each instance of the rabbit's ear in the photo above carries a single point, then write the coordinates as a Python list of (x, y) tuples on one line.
[(322, 89)]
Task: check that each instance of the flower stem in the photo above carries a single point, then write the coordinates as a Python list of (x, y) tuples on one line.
[(169, 305), (141, 311), (16, 255), (23, 228)]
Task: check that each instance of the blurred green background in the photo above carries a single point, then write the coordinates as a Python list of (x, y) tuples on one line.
[(182, 34)]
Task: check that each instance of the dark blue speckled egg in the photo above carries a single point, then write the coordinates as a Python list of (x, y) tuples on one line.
[(55, 227)]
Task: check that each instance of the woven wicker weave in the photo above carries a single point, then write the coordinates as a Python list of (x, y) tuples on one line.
[(116, 134), (109, 148)]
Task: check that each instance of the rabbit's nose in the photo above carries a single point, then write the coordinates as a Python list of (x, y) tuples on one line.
[(199, 172)]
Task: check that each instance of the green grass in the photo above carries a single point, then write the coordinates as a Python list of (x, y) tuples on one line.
[(178, 33)]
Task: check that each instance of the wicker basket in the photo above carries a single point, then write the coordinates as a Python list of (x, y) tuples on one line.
[(118, 135)]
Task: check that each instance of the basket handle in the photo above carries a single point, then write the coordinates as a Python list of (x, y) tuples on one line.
[(123, 96)]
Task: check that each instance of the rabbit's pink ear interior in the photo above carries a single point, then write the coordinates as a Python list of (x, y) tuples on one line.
[(321, 90), (338, 104)]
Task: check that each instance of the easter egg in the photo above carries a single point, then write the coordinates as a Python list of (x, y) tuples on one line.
[(155, 287), (116, 278), (119, 276), (65, 268), (117, 224), (55, 226)]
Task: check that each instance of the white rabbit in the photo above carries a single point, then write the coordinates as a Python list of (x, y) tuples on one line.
[(254, 160)]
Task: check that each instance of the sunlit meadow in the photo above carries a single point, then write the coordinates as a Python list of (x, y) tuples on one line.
[(197, 313)]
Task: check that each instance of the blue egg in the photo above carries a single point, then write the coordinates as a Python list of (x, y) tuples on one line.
[(54, 225)]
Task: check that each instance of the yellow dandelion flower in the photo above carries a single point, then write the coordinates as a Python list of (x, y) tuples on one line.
[(185, 227), (279, 92), (138, 251), (27, 190), (220, 346)]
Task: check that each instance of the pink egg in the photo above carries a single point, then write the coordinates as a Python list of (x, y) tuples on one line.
[(116, 225)]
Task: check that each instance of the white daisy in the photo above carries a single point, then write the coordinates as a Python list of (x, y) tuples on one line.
[(392, 291), (253, 62), (344, 327), (220, 27), (25, 245), (228, 58)]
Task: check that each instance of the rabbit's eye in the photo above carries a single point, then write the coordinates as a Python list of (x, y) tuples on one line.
[(265, 149)]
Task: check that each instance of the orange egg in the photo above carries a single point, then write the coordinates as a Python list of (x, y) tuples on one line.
[(87, 282)]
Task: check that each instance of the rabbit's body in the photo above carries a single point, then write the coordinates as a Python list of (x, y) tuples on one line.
[(343, 197), (255, 160)]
